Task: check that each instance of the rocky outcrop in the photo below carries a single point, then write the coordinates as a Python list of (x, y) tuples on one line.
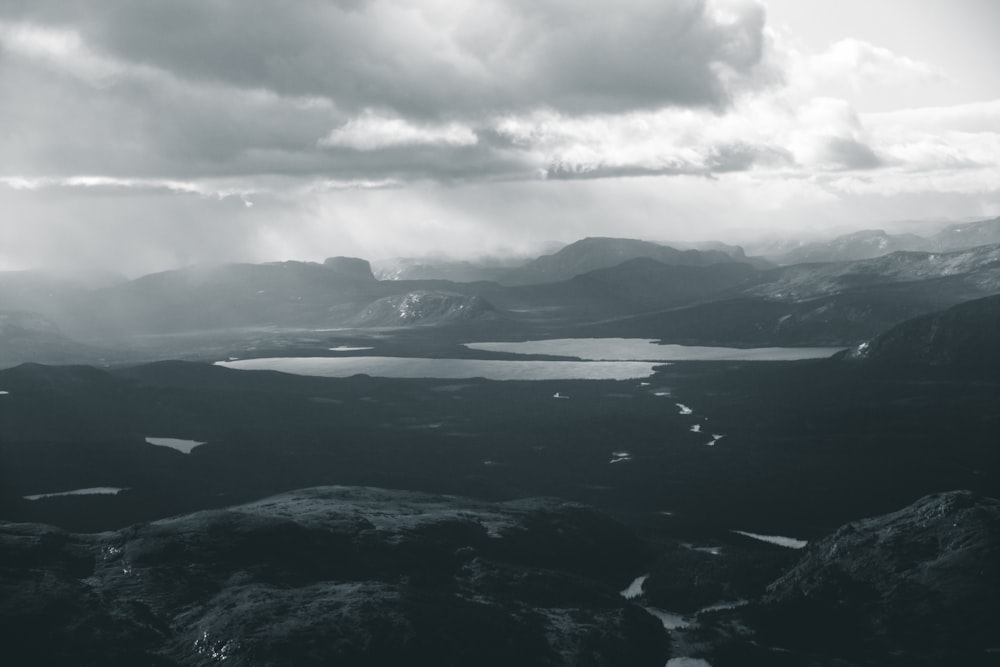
[(423, 307), (331, 575)]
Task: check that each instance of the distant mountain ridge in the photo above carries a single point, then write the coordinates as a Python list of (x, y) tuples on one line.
[(594, 253), (872, 243)]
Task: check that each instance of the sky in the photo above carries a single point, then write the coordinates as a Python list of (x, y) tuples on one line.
[(138, 135)]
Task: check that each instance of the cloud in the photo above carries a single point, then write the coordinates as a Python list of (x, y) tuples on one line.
[(371, 131), (862, 64), (433, 57), (199, 129)]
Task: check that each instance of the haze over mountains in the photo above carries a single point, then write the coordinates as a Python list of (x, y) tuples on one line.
[(606, 285)]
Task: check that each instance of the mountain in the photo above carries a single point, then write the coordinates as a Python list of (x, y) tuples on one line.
[(332, 575), (645, 282), (979, 267), (231, 295), (966, 335), (598, 253)]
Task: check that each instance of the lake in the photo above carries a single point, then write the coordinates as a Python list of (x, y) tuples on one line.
[(640, 349), (597, 359), (415, 367)]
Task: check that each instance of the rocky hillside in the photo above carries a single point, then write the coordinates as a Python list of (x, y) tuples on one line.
[(914, 587), (423, 308)]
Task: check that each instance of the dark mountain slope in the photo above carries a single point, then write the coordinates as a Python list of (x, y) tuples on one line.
[(917, 586), (27, 336), (966, 335)]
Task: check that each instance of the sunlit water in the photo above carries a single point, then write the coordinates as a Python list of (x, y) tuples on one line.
[(781, 541), (415, 367), (92, 491), (603, 359), (183, 446), (634, 590)]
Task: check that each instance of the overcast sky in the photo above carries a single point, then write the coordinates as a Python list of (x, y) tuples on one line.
[(138, 135)]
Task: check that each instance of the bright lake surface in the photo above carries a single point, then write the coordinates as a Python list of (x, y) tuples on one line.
[(183, 446), (603, 359), (640, 349), (412, 367)]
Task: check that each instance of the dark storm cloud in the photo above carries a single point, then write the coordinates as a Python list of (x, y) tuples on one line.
[(195, 89), (433, 59)]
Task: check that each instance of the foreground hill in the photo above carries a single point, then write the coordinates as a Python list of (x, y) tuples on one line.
[(966, 335), (368, 576), (333, 575), (914, 587)]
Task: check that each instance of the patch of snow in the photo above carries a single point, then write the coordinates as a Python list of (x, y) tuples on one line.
[(183, 446), (4, 393), (787, 542), (696, 428), (715, 438), (661, 393), (634, 590), (685, 410), (558, 395), (93, 491), (348, 348)]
